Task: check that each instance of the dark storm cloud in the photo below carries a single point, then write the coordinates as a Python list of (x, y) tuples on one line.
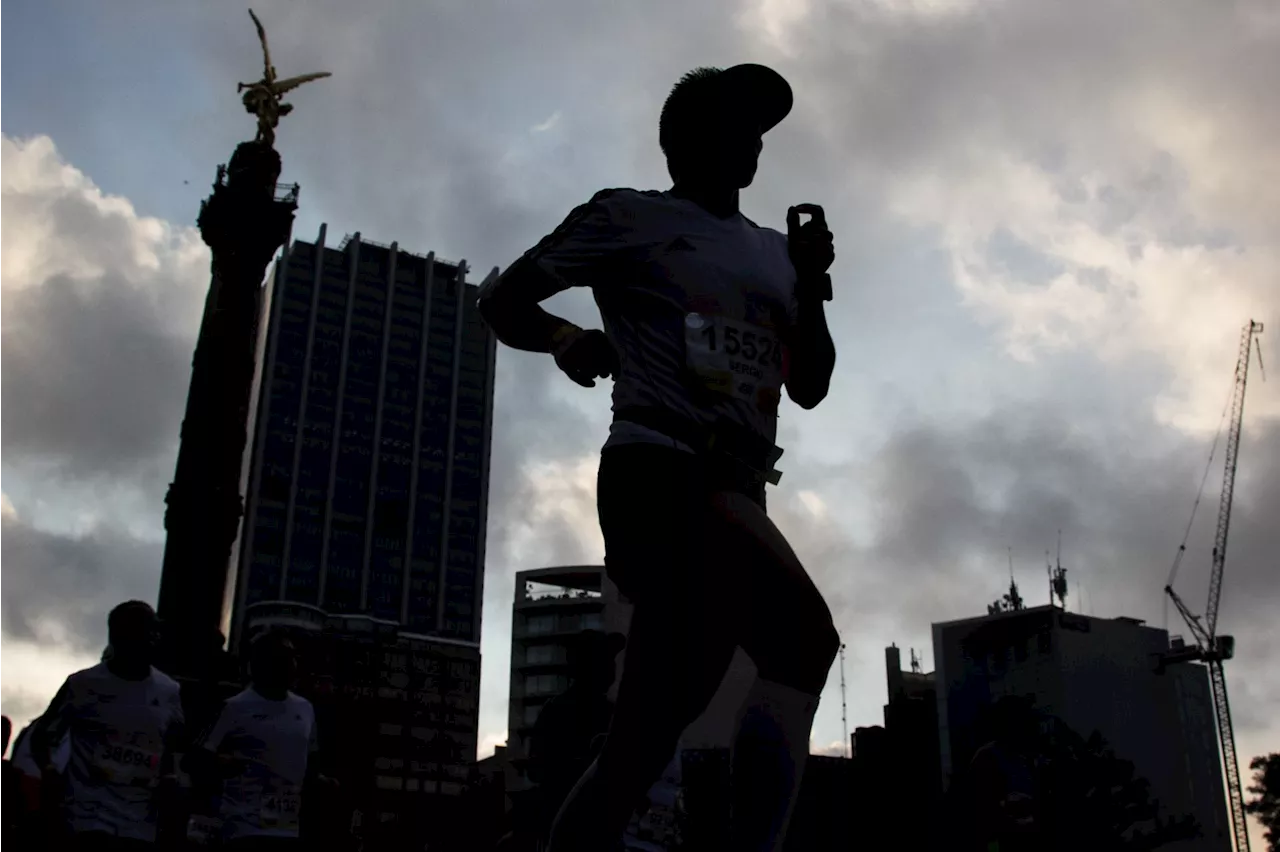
[(909, 88), (950, 500), (72, 580), (423, 136), (94, 376)]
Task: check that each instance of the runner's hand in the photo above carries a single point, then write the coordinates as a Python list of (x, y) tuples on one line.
[(50, 776), (585, 356), (810, 245)]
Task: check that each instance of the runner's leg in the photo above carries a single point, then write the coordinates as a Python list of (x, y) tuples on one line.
[(790, 637), (653, 511)]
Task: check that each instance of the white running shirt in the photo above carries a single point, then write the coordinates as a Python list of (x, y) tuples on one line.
[(118, 731), (696, 305), (276, 740), (21, 756)]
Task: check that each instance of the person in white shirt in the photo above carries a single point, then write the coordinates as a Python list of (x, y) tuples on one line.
[(26, 764), (263, 746), (707, 318), (122, 720)]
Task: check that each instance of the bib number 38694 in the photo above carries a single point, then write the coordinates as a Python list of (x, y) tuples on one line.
[(734, 358), (121, 764)]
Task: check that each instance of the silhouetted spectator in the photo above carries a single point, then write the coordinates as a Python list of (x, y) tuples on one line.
[(1004, 777), (571, 726)]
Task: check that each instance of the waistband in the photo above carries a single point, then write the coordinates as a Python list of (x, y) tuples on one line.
[(723, 439)]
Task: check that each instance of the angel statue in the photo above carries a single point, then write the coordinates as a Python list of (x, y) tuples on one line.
[(263, 98)]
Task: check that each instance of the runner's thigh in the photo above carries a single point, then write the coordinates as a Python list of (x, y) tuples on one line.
[(786, 628), (655, 507), (654, 512)]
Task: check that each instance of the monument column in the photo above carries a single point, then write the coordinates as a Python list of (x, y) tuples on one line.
[(244, 222)]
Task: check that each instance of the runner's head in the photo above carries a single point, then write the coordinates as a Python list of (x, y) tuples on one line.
[(713, 121), (272, 663), (132, 631)]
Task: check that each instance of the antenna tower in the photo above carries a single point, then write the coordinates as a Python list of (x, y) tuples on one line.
[(844, 705)]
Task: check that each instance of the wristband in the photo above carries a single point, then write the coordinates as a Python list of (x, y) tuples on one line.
[(818, 288), (562, 335)]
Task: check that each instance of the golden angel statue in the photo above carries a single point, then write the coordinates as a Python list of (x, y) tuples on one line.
[(263, 98)]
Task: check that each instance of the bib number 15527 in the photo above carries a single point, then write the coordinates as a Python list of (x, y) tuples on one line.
[(734, 358)]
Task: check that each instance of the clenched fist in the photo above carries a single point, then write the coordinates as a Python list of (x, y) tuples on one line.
[(584, 356), (811, 246)]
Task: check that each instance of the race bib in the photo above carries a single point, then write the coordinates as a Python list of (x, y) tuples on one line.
[(128, 765), (735, 359), (281, 807)]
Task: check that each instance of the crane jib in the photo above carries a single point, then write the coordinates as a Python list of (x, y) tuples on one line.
[(1211, 648)]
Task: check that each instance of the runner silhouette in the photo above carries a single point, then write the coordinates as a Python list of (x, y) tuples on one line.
[(263, 746), (707, 317), (122, 719)]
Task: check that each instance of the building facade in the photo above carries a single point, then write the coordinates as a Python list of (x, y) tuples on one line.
[(397, 715), (913, 767), (1090, 674), (368, 482), (364, 526)]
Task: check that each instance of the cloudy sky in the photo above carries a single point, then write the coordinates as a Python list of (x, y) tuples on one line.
[(1051, 219)]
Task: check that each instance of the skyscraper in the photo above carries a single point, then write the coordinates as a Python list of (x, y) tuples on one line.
[(367, 489)]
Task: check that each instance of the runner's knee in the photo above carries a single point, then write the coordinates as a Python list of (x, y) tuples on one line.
[(797, 650)]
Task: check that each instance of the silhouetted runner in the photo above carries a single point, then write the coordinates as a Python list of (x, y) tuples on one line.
[(122, 718), (28, 810), (263, 746), (707, 317)]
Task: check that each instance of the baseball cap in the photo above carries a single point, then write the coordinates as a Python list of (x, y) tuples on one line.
[(750, 91)]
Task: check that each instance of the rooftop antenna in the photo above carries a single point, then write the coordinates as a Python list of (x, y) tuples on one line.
[(1012, 601), (1015, 599), (844, 705), (1048, 569), (1060, 577)]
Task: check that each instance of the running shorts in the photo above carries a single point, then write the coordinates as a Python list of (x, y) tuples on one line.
[(653, 503)]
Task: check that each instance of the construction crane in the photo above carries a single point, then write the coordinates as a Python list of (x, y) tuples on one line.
[(1211, 648)]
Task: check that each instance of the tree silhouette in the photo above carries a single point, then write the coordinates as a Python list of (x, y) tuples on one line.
[(1265, 804), (1096, 800), (1062, 791)]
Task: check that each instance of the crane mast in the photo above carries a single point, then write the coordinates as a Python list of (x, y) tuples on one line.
[(1211, 648)]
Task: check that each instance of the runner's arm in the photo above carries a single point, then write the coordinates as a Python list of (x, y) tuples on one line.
[(174, 738), (315, 768), (811, 351), (202, 761), (576, 254), (50, 729)]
